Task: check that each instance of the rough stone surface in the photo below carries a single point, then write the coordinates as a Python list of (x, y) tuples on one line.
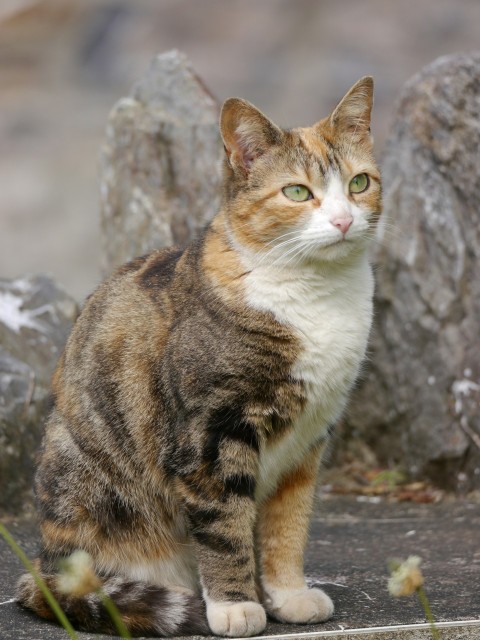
[(419, 402), (35, 319), (160, 170)]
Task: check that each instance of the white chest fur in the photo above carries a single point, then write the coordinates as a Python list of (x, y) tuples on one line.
[(330, 310)]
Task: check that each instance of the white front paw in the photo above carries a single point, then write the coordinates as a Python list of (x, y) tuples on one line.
[(239, 619), (299, 606)]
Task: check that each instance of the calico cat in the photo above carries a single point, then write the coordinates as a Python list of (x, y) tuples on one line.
[(199, 387)]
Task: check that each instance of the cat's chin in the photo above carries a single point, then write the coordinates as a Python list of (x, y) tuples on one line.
[(338, 250)]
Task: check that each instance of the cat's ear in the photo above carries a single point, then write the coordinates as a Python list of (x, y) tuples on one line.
[(353, 112), (247, 134)]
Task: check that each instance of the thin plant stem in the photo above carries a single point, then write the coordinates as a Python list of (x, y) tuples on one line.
[(114, 613), (49, 597), (428, 612)]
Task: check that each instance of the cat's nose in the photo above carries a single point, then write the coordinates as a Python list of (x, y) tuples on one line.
[(343, 223)]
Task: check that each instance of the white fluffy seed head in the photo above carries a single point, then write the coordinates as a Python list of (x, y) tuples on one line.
[(77, 576)]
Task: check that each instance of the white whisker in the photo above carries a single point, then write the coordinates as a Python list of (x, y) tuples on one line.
[(278, 247), (290, 233), (295, 255), (294, 250)]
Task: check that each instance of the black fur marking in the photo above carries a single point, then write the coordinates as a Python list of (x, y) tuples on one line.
[(105, 402), (49, 561), (215, 542), (50, 491), (279, 424), (224, 423), (240, 577), (151, 598), (133, 265), (93, 454), (183, 458), (201, 490), (50, 402), (197, 618), (113, 513), (46, 508), (202, 517), (233, 426), (331, 430), (240, 561), (158, 274), (104, 392), (236, 596), (241, 485)]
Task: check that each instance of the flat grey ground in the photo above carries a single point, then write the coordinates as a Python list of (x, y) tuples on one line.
[(350, 543)]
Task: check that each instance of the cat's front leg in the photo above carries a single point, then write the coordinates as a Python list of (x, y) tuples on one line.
[(220, 508), (283, 530)]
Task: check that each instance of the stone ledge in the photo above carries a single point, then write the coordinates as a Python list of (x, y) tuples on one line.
[(464, 630)]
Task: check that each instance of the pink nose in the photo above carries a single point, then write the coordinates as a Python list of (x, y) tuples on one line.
[(343, 224)]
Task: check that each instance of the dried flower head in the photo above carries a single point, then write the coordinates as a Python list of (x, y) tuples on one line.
[(77, 576), (406, 577)]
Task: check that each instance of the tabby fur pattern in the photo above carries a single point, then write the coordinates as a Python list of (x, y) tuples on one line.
[(199, 387)]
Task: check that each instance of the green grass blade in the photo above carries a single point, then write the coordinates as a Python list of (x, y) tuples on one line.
[(49, 597), (114, 613), (428, 612)]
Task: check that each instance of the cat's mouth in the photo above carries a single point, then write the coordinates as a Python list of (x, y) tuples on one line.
[(336, 248), (341, 240)]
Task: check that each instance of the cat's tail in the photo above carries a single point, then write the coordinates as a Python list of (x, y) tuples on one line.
[(145, 609)]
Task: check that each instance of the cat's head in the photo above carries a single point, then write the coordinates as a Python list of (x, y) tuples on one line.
[(305, 194)]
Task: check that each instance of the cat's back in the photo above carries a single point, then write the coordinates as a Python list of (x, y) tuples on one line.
[(136, 300), (103, 386)]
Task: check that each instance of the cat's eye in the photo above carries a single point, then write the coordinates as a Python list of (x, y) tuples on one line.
[(297, 193), (359, 183)]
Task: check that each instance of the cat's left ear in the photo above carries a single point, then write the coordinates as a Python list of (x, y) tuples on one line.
[(247, 134), (353, 113)]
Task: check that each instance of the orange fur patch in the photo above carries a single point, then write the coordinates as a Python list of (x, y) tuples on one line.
[(222, 264), (283, 526)]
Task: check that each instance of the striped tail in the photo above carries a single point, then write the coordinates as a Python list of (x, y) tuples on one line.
[(145, 609)]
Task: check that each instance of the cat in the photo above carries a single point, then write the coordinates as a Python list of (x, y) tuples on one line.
[(200, 385)]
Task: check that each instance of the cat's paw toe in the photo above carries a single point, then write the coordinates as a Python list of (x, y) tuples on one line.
[(240, 619), (301, 606)]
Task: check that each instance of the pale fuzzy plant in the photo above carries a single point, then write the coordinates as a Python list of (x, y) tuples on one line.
[(76, 578), (406, 579)]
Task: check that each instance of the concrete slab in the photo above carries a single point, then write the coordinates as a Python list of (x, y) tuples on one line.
[(350, 543)]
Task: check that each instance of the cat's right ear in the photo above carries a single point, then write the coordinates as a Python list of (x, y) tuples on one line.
[(352, 114), (247, 134)]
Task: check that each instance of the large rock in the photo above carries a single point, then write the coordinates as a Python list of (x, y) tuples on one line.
[(418, 405), (160, 170), (36, 317)]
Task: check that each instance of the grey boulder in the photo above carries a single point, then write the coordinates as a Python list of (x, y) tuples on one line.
[(418, 405), (160, 163), (36, 316)]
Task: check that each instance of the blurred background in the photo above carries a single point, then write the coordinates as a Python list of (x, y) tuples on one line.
[(64, 63)]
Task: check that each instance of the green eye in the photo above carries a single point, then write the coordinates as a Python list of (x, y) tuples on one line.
[(359, 183), (297, 193)]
